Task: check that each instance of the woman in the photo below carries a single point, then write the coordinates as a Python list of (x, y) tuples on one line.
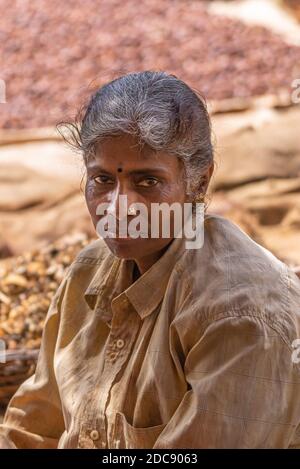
[(148, 344)]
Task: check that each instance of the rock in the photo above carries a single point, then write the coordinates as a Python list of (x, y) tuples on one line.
[(257, 181), (294, 7), (253, 153), (23, 188), (36, 208)]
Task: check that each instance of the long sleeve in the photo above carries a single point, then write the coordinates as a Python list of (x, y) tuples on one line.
[(243, 389), (34, 417)]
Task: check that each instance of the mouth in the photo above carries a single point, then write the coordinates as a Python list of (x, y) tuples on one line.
[(124, 240), (112, 236)]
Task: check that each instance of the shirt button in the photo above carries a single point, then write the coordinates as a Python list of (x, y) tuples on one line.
[(120, 343), (94, 435)]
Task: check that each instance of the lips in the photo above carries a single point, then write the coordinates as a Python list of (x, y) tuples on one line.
[(115, 235), (119, 239)]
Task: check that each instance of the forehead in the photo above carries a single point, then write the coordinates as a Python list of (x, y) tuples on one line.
[(126, 152), (126, 145)]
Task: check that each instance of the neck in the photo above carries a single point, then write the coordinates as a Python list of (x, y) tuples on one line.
[(143, 264)]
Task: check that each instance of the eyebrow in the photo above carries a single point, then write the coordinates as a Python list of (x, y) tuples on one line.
[(132, 172)]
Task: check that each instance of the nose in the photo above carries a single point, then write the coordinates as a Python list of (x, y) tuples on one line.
[(120, 202)]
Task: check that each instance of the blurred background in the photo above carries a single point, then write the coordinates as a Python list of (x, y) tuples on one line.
[(243, 55)]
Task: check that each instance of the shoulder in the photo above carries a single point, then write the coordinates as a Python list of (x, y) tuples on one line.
[(87, 262), (83, 277), (89, 258), (93, 253), (232, 276)]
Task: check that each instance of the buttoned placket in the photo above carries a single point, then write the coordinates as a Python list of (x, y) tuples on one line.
[(124, 328)]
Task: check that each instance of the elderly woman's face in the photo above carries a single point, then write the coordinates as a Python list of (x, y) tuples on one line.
[(121, 168)]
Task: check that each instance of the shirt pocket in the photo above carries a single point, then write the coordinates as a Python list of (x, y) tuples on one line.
[(126, 436)]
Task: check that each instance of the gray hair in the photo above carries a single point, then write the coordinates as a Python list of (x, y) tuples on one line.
[(160, 110)]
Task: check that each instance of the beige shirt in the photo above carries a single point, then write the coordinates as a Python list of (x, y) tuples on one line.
[(196, 353)]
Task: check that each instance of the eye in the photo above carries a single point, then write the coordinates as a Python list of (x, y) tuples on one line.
[(102, 179), (148, 182)]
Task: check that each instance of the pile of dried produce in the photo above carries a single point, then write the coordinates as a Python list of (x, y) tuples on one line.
[(54, 53), (27, 285)]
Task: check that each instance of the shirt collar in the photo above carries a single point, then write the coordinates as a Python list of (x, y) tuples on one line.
[(112, 283)]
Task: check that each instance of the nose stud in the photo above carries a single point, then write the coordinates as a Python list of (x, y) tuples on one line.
[(132, 211)]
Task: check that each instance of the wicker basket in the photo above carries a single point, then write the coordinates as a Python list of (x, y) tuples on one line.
[(19, 365)]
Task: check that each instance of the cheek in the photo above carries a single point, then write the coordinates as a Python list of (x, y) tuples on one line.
[(91, 190), (174, 192), (92, 199)]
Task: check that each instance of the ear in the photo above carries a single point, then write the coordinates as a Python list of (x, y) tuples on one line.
[(206, 176), (211, 170)]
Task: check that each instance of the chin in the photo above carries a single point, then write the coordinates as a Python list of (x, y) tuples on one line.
[(126, 248), (134, 248)]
